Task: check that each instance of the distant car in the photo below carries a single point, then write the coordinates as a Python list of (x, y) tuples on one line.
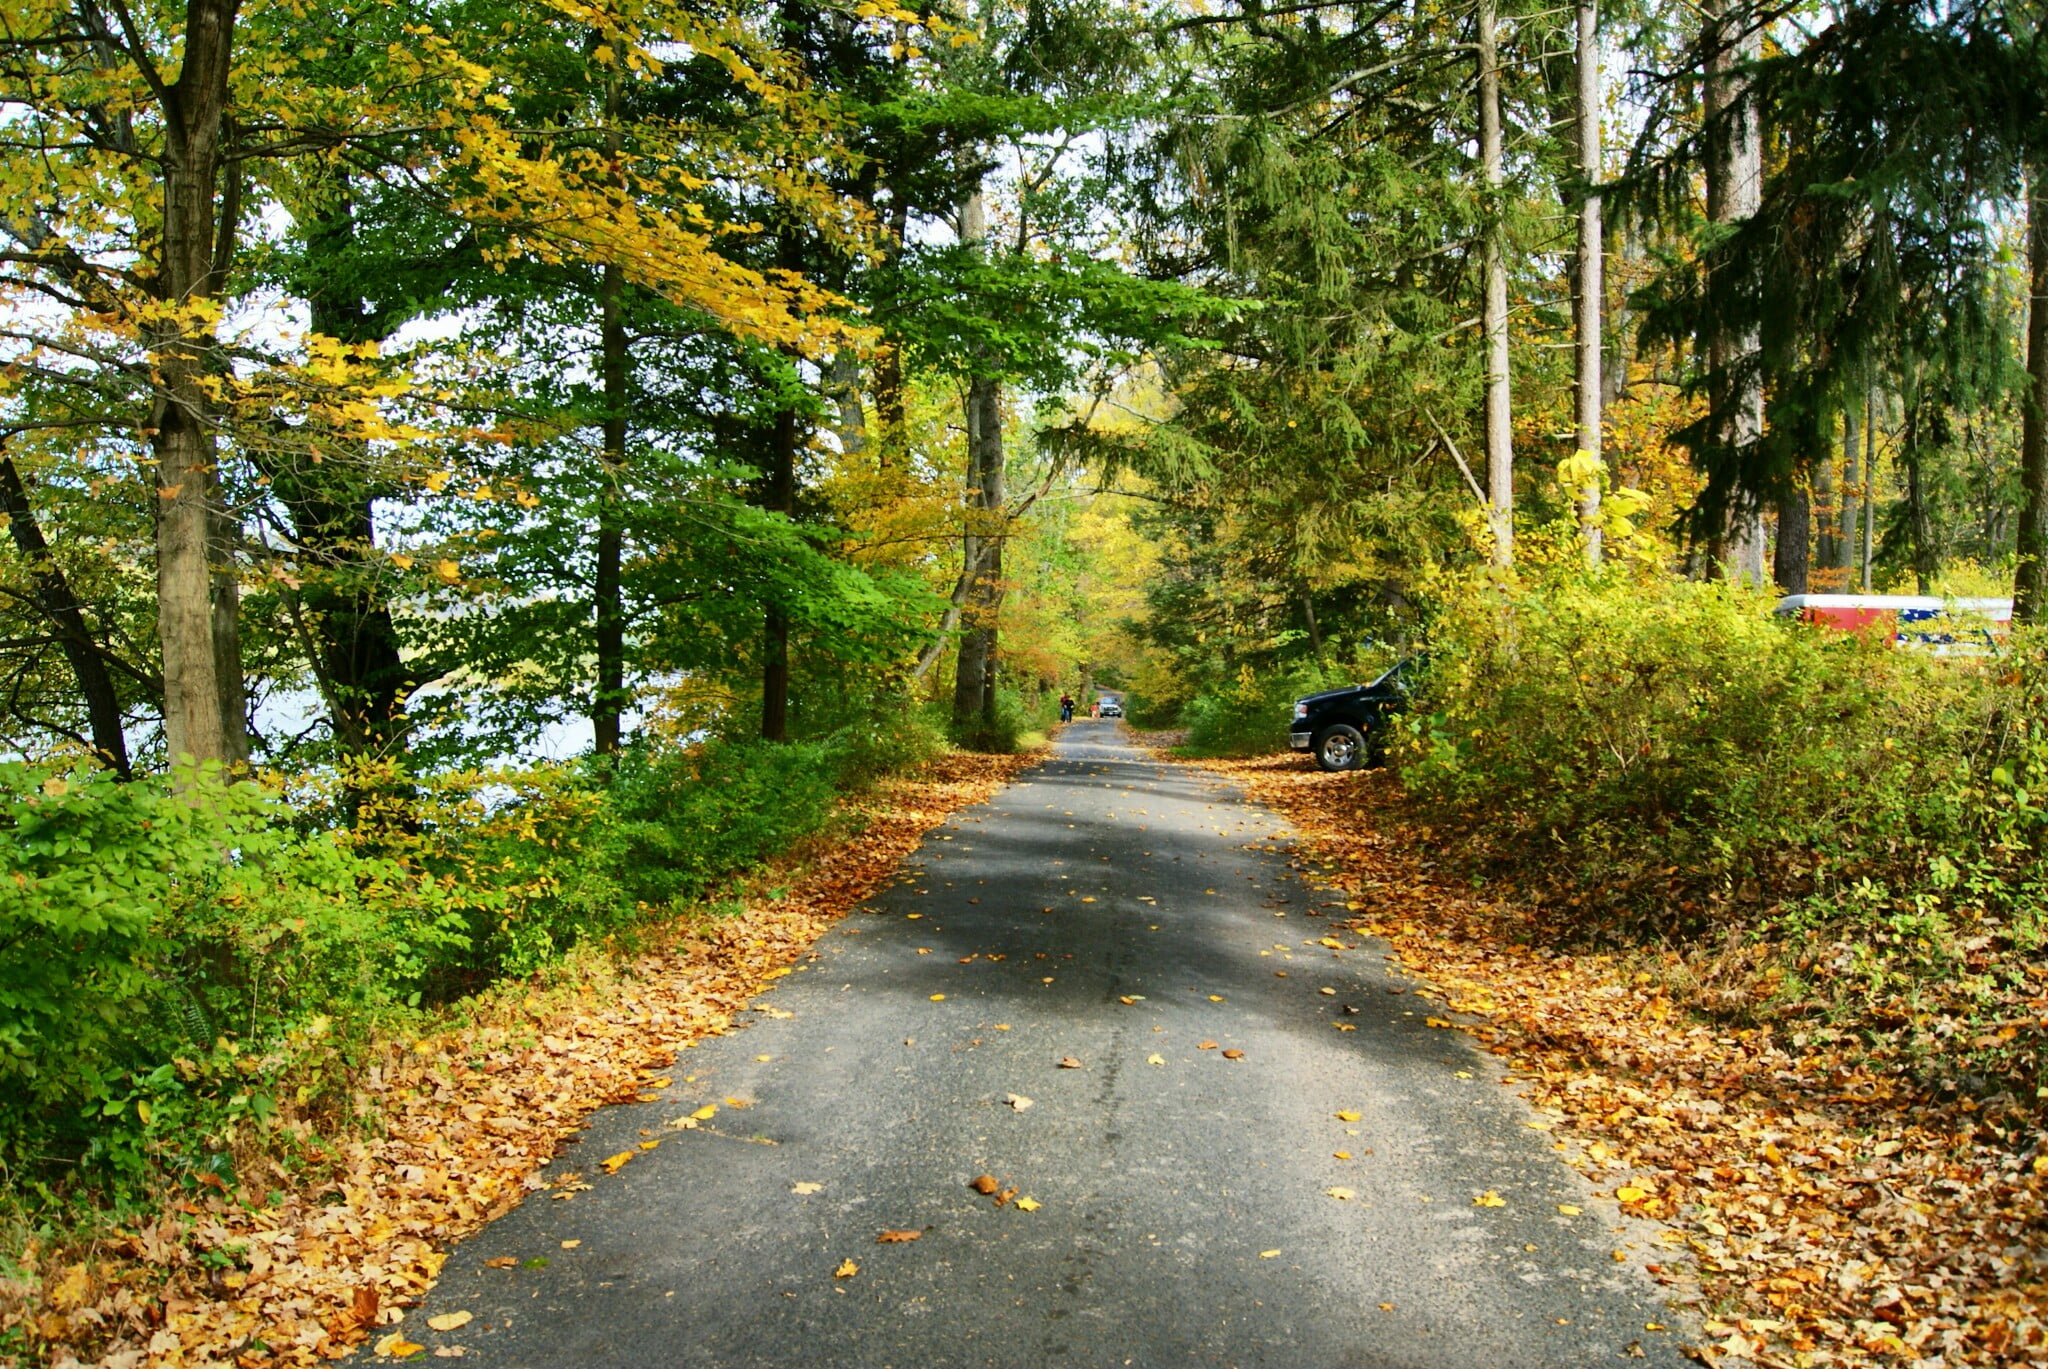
[(1112, 708), (1347, 728)]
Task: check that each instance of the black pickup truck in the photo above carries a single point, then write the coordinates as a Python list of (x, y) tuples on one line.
[(1346, 728)]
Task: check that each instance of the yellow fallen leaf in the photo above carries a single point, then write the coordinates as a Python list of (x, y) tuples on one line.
[(763, 1059), (846, 1270), (1620, 1257), (1341, 1154), (1436, 1022), (1028, 1204), (806, 1187), (614, 1163), (1267, 1254), (1342, 1195), (1653, 1326), (649, 1145), (1330, 993), (566, 1245), (450, 1321), (1347, 1116), (1489, 1199), (1089, 899), (705, 1113), (1002, 1026), (396, 1346), (1215, 998), (1631, 1194), (1155, 1059), (1569, 1209), (938, 998)]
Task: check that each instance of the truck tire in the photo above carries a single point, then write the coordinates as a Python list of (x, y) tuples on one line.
[(1340, 746)]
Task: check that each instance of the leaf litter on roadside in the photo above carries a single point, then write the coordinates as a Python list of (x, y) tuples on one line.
[(469, 1117), (1822, 1210)]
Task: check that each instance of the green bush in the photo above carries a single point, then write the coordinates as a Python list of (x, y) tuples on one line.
[(1251, 715), (159, 945), (1643, 757), (177, 965)]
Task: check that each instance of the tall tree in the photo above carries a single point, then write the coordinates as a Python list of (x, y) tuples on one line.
[(1500, 432), (1589, 277), (2030, 581)]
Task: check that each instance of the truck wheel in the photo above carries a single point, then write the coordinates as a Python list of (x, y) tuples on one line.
[(1340, 746)]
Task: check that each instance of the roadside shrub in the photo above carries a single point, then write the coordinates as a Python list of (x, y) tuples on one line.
[(158, 948), (1640, 757), (1249, 716)]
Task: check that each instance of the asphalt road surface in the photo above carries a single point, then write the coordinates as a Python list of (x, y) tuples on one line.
[(1191, 1209)]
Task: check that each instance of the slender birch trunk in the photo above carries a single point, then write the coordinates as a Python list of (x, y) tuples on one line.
[(1500, 474), (1592, 290)]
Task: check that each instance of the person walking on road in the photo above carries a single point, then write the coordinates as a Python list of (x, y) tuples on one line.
[(1066, 708)]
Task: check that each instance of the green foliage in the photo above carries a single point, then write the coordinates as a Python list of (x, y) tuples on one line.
[(1661, 759), (178, 967), (1248, 716), (156, 944)]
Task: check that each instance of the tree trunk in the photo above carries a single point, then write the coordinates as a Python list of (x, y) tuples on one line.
[(974, 675), (608, 700), (67, 620), (1917, 527), (199, 723), (1827, 506), (1849, 542), (1868, 552), (1734, 192), (1591, 289), (974, 699), (1500, 475), (1792, 558), (2030, 582), (781, 497)]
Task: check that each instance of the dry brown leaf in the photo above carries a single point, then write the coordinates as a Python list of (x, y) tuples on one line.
[(1068, 1062), (1233, 1054), (451, 1321), (983, 1184), (897, 1237)]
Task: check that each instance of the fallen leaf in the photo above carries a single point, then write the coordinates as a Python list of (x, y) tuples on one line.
[(1570, 1209), (984, 1184), (938, 998), (1489, 1199), (1347, 1116), (1629, 1193), (1341, 1154), (846, 1270), (502, 1262), (1155, 1059), (1027, 1204), (1233, 1054), (1005, 1196), (451, 1321), (1068, 1062), (1330, 992), (396, 1346), (1017, 1101), (570, 1245), (705, 1113), (806, 1188), (897, 1237), (1206, 1046), (612, 1164), (1126, 1000), (1342, 1195), (1215, 998)]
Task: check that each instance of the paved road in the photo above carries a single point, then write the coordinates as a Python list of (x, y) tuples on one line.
[(1122, 913)]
